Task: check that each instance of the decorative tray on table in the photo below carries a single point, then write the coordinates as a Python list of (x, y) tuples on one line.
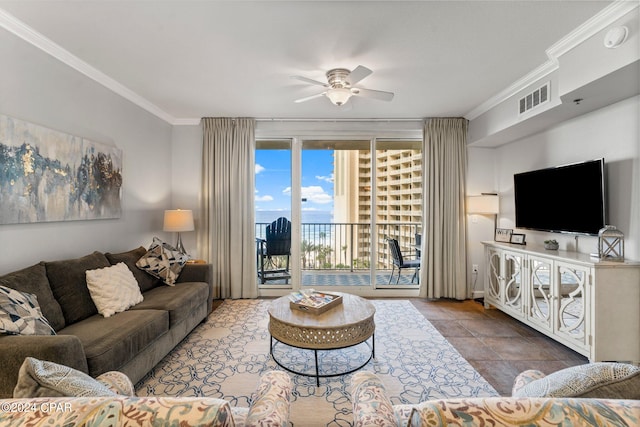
[(312, 301)]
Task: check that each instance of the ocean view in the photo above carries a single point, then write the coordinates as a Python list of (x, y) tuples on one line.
[(268, 216)]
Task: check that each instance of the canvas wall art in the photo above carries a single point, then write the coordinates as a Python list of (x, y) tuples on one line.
[(47, 175)]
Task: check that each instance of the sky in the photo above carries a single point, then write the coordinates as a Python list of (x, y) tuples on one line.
[(273, 180)]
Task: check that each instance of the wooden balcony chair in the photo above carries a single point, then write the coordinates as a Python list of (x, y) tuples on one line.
[(273, 252)]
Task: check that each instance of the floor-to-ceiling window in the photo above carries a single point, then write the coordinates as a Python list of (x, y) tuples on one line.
[(398, 209), (346, 199), (273, 185)]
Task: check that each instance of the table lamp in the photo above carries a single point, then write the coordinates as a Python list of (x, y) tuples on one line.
[(178, 220)]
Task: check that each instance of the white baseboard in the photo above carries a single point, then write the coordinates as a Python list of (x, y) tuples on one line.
[(477, 294)]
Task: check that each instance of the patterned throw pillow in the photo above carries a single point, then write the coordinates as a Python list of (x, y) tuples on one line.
[(604, 380), (20, 314), (163, 261), (113, 289), (40, 378)]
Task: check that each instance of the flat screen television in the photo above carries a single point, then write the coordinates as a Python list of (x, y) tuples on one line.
[(569, 198)]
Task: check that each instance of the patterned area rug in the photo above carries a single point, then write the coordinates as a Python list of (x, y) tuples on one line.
[(224, 357)]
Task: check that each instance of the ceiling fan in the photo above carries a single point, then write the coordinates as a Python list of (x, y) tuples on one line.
[(340, 86)]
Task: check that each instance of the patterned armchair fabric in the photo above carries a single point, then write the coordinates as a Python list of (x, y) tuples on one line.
[(508, 411), (371, 407), (270, 407), (116, 410)]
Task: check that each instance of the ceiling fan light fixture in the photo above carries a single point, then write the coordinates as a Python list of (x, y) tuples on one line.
[(339, 96)]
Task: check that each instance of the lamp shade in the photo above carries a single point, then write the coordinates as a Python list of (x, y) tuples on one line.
[(178, 220), (484, 204)]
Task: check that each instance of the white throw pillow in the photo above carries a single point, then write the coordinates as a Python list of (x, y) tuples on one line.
[(113, 289)]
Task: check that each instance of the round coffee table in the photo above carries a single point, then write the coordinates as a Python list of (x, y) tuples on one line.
[(346, 325)]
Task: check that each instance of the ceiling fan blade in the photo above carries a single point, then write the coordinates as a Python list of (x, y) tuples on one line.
[(358, 74), (311, 81), (308, 98), (370, 93)]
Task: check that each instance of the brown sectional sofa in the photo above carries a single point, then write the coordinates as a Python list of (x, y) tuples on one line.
[(132, 342)]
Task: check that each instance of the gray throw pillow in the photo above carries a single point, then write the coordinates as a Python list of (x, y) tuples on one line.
[(39, 378), (20, 314), (602, 380)]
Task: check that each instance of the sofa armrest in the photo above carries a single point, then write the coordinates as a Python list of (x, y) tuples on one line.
[(63, 349), (271, 402), (371, 405), (200, 273)]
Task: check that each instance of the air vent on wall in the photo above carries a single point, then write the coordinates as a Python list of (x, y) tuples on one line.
[(534, 99)]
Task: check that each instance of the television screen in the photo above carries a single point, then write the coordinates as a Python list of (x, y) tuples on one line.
[(569, 198)]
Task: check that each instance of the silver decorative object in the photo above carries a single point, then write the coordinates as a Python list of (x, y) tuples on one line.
[(610, 244)]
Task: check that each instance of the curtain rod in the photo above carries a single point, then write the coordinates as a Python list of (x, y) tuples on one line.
[(336, 120)]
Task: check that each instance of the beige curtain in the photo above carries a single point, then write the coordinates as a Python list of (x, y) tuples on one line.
[(443, 270), (226, 235)]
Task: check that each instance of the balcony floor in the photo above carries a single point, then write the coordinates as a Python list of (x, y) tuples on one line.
[(338, 278)]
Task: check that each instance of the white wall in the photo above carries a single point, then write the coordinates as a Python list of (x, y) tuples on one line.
[(480, 179), (611, 132), (186, 178), (37, 88)]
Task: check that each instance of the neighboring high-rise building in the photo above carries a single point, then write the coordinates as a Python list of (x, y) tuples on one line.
[(398, 198)]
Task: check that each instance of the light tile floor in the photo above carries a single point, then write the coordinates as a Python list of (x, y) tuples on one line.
[(496, 345)]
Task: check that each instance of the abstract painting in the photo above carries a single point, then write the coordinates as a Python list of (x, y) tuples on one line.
[(47, 175)]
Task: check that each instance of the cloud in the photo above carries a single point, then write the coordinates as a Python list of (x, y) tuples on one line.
[(313, 193), (259, 168), (316, 194), (328, 179), (265, 198)]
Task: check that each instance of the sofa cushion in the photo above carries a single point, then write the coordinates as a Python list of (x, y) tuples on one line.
[(40, 378), (20, 314), (163, 261), (113, 289), (111, 342), (33, 280), (604, 380), (179, 300), (69, 285), (145, 280)]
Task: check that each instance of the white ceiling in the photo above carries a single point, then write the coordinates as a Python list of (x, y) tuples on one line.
[(191, 59)]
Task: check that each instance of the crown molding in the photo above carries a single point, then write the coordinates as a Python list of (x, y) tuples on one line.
[(606, 17), (589, 28), (28, 34)]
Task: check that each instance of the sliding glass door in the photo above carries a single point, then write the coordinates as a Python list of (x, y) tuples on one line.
[(336, 227), (346, 200), (273, 184)]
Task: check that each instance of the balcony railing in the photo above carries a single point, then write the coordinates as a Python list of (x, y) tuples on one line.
[(348, 246)]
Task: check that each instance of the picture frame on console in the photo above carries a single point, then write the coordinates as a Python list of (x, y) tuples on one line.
[(518, 239), (503, 235)]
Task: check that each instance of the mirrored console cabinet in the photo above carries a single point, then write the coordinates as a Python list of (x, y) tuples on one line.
[(590, 306)]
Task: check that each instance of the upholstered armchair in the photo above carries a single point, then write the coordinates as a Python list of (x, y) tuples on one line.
[(372, 407), (51, 394)]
